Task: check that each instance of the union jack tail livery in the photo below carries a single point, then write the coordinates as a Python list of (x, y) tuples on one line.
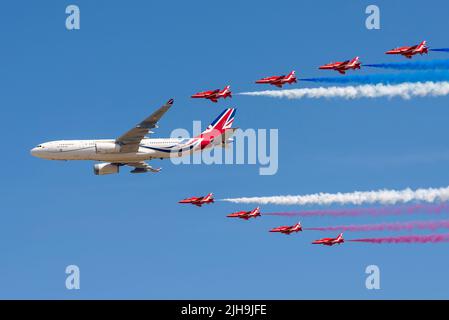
[(223, 121), (218, 131)]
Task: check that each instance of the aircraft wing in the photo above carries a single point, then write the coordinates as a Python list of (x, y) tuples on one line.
[(130, 141)]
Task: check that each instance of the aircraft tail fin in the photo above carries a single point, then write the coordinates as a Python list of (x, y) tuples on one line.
[(226, 92), (423, 47), (223, 121), (355, 60)]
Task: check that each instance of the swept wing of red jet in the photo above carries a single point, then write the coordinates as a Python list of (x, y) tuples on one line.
[(214, 95), (330, 241), (342, 67), (279, 81), (410, 51), (199, 201), (246, 214), (288, 229)]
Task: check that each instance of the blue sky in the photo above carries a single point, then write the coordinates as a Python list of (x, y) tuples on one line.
[(126, 232)]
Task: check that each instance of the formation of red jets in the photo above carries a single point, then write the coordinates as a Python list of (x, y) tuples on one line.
[(341, 67), (279, 81), (246, 215)]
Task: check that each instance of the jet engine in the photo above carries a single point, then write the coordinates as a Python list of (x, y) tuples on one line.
[(107, 147), (105, 168)]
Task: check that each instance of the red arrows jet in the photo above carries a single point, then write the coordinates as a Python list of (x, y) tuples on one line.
[(330, 241), (408, 52), (342, 67), (199, 201), (288, 229), (245, 214), (214, 95), (279, 81)]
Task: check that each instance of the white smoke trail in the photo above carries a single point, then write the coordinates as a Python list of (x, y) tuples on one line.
[(356, 198), (405, 90)]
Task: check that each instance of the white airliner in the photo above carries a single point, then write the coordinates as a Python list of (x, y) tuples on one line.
[(133, 147)]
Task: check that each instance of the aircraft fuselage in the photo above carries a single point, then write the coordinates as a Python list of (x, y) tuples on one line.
[(107, 150)]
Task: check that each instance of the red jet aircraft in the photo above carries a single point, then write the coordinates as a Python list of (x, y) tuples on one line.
[(199, 201), (408, 52), (288, 229), (330, 241), (279, 81), (245, 214), (342, 67), (214, 95)]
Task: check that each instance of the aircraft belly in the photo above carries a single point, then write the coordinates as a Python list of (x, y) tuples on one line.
[(121, 157)]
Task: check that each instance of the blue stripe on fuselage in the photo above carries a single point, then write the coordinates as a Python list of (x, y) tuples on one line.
[(168, 151)]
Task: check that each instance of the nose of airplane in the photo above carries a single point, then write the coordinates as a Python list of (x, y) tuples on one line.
[(34, 152), (37, 151)]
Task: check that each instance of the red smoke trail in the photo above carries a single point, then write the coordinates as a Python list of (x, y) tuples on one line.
[(433, 238), (396, 210), (397, 226)]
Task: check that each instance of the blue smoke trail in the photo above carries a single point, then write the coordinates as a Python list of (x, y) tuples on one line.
[(392, 78), (440, 50), (413, 65)]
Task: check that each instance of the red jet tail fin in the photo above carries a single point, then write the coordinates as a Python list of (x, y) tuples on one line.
[(423, 47), (226, 92), (291, 75), (355, 60), (209, 197)]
